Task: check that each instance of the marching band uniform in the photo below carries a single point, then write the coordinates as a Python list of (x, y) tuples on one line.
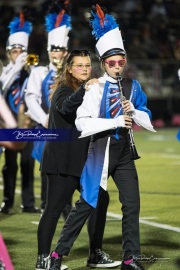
[(90, 120), (100, 115), (39, 86), (36, 97), (14, 79)]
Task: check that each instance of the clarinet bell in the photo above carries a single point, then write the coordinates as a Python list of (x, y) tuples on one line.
[(134, 153)]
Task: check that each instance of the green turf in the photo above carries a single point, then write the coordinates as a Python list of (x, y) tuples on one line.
[(159, 176)]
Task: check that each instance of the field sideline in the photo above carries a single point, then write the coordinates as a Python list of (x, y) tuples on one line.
[(159, 174)]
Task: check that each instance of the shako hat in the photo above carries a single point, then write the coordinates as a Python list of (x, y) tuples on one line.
[(106, 31), (58, 24), (20, 30)]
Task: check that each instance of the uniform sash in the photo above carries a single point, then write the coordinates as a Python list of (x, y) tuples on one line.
[(38, 146), (16, 94), (46, 90), (92, 172), (37, 151)]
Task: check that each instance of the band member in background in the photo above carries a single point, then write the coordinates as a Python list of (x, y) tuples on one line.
[(101, 115), (58, 24), (14, 79), (7, 120)]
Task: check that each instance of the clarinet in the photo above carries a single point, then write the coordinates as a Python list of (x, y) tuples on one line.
[(134, 153)]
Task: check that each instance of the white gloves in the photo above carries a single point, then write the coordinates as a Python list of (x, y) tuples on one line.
[(20, 61), (119, 121)]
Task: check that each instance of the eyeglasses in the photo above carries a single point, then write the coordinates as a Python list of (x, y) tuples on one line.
[(81, 66), (112, 63)]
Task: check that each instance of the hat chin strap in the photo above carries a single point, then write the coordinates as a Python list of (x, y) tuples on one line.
[(10, 47), (55, 48), (112, 52)]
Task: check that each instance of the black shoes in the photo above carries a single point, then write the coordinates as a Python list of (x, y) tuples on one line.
[(30, 210), (56, 264), (41, 263), (5, 209), (134, 265), (100, 259)]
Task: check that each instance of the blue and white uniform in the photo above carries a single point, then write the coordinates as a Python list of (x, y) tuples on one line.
[(37, 100), (97, 114), (37, 94)]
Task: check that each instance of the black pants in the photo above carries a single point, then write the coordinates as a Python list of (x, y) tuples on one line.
[(59, 192), (67, 208), (9, 173), (43, 189), (123, 171)]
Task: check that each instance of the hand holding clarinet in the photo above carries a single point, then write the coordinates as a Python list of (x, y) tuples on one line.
[(127, 115)]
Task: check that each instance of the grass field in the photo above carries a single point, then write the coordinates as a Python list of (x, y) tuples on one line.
[(159, 176)]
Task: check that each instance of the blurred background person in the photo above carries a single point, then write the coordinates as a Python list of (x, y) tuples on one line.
[(14, 79), (42, 78), (7, 119)]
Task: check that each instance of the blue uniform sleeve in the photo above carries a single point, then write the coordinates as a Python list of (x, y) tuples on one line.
[(139, 98)]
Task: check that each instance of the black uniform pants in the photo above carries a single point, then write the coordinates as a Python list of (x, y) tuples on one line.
[(9, 173), (59, 192), (123, 171)]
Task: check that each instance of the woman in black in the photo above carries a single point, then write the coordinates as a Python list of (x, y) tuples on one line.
[(63, 162)]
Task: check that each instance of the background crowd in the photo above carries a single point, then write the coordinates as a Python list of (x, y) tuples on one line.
[(150, 32), (151, 26)]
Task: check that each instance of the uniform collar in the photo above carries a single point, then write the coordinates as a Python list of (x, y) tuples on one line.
[(52, 67), (109, 79)]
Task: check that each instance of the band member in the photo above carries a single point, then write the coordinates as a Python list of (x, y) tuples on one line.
[(14, 79), (41, 79), (108, 118)]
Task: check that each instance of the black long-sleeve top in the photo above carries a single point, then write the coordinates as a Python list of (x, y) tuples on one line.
[(66, 157)]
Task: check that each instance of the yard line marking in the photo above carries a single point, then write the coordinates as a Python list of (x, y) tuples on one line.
[(111, 214), (160, 138), (149, 218), (141, 220), (18, 191), (35, 222), (159, 225), (150, 223)]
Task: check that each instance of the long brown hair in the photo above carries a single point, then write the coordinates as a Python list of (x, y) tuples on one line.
[(66, 77)]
